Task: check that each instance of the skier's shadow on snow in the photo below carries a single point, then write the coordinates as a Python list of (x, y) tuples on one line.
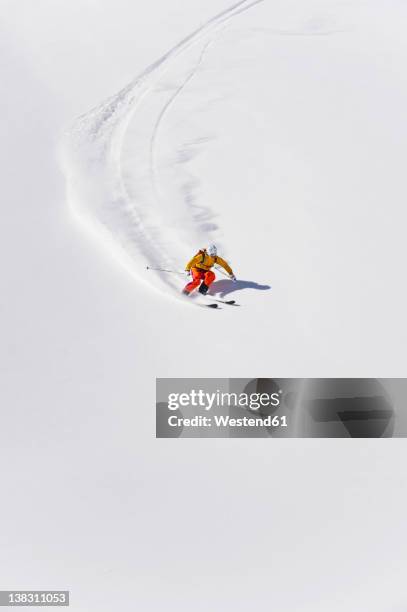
[(224, 287)]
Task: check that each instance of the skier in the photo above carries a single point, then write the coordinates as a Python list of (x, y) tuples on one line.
[(200, 269)]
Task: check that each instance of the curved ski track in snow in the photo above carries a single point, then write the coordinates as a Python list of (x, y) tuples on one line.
[(166, 107), (132, 227)]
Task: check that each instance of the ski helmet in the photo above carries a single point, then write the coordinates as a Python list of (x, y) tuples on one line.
[(212, 250)]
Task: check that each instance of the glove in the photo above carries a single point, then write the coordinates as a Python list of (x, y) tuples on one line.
[(233, 278)]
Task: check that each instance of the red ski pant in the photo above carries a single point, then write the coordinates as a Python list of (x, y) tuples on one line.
[(207, 276)]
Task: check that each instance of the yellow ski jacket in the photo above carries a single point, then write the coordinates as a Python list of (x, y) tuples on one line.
[(203, 261)]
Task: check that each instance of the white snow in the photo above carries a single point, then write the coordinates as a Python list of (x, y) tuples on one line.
[(278, 131)]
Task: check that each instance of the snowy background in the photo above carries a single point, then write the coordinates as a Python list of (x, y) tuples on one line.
[(279, 132)]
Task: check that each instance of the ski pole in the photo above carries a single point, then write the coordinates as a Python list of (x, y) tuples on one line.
[(163, 270), (222, 272)]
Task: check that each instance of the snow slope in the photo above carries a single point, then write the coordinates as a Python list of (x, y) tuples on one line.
[(282, 132), (264, 130)]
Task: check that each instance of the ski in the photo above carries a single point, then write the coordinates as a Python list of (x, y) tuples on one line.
[(196, 303), (228, 302), (195, 300), (209, 297)]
